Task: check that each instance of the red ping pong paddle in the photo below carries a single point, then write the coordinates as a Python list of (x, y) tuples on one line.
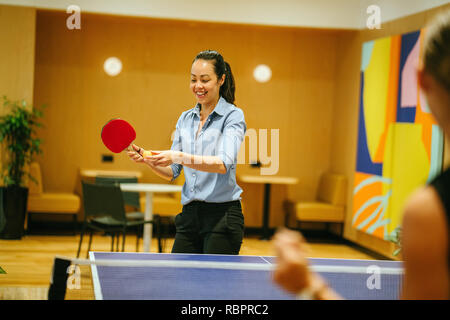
[(118, 135)]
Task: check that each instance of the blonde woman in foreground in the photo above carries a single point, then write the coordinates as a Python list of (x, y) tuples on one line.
[(426, 216)]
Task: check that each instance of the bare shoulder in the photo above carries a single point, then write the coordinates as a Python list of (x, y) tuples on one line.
[(425, 206), (425, 246), (424, 227)]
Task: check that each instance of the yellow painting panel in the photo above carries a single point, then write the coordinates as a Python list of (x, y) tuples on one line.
[(406, 162), (376, 87)]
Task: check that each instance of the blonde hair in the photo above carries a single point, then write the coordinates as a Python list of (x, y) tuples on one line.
[(436, 54)]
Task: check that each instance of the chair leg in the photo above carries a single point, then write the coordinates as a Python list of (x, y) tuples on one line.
[(90, 242), (163, 234), (81, 240), (123, 240), (137, 238), (158, 234), (112, 242)]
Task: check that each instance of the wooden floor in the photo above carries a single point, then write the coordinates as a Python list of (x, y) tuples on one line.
[(28, 262)]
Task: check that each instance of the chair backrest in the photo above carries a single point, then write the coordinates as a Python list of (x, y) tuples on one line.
[(332, 189), (129, 198), (101, 200), (35, 187)]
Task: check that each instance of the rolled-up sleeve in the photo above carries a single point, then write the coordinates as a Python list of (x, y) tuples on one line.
[(231, 138), (176, 146)]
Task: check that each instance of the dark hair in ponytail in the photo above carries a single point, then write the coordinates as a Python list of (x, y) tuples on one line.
[(221, 67), (436, 55)]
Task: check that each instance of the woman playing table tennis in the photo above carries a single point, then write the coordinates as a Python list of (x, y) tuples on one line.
[(206, 143), (425, 245)]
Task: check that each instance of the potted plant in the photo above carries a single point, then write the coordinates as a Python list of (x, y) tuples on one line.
[(17, 131)]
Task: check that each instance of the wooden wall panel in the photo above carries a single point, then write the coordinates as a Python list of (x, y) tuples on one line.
[(17, 40)]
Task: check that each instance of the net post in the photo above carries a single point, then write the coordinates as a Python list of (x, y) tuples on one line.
[(58, 281)]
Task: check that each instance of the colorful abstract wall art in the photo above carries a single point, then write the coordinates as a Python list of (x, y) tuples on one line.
[(399, 144)]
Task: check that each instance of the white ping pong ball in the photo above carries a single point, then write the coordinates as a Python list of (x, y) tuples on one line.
[(262, 73), (112, 66)]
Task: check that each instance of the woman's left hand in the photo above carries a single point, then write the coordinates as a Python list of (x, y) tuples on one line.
[(292, 272), (164, 158)]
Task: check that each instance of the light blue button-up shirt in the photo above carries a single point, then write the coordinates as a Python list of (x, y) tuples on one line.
[(221, 136)]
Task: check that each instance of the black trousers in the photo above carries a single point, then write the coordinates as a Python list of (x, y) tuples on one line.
[(213, 228)]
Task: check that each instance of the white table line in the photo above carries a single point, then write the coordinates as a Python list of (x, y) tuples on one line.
[(226, 265)]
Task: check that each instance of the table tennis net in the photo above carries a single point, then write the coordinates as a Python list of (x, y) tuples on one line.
[(63, 265)]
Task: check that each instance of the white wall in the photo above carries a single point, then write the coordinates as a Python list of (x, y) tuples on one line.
[(394, 9), (347, 14)]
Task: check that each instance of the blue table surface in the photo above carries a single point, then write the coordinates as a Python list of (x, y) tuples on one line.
[(142, 283)]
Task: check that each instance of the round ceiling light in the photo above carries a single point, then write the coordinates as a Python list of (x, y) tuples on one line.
[(112, 66), (262, 73)]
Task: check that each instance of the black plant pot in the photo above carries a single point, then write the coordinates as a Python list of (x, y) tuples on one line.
[(14, 203)]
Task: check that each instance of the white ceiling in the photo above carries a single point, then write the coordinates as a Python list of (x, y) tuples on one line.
[(340, 14)]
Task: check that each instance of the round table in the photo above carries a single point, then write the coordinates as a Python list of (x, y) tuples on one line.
[(149, 189), (267, 181)]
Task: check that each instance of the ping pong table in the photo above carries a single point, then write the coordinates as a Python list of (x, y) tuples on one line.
[(162, 283)]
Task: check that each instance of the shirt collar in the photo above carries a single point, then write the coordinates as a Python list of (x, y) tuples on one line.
[(219, 109)]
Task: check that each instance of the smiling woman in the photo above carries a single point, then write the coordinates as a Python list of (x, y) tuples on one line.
[(206, 144)]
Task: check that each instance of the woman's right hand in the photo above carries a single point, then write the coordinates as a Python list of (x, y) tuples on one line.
[(136, 153)]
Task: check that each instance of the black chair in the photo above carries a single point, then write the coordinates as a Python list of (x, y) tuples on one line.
[(131, 199), (104, 210)]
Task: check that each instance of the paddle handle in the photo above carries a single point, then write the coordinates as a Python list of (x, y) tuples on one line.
[(130, 148), (146, 152)]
